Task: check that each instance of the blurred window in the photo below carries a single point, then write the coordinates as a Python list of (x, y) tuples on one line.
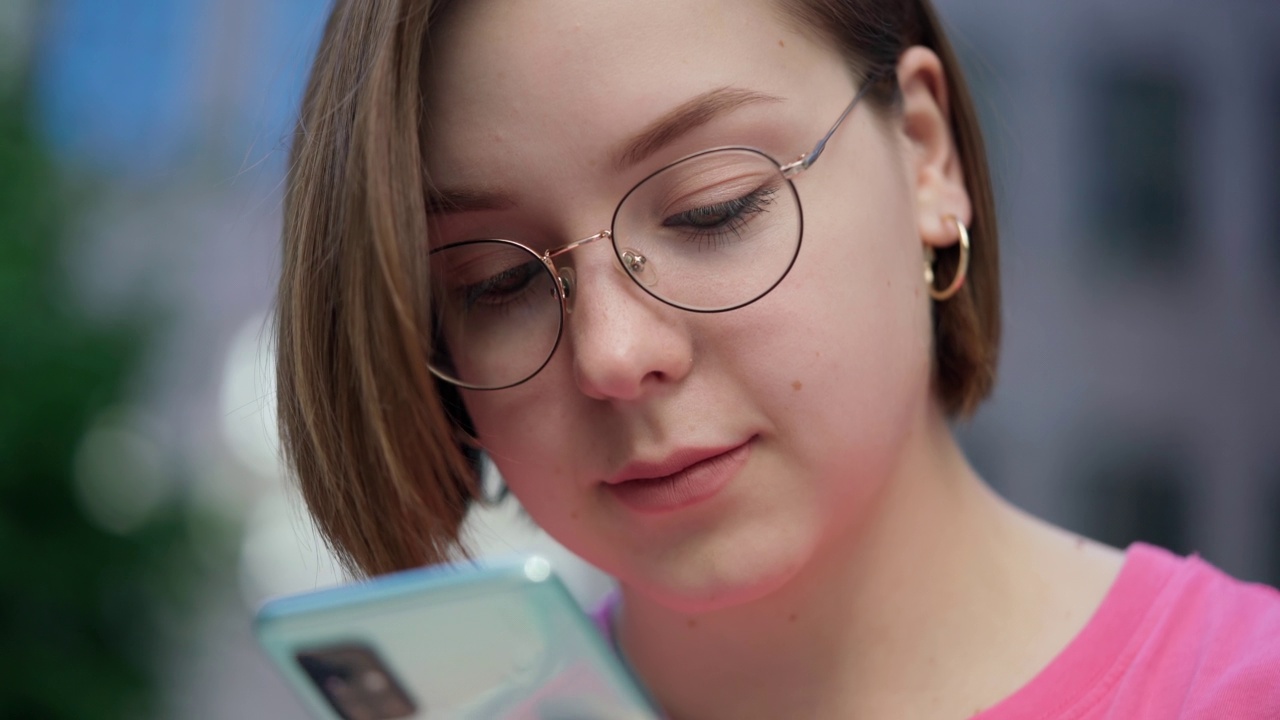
[(984, 59), (1271, 508), (1136, 188), (1270, 224), (1135, 492)]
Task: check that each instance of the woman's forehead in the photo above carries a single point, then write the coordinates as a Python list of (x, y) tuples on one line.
[(523, 73)]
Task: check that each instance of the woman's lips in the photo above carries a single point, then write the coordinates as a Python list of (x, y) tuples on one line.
[(696, 481)]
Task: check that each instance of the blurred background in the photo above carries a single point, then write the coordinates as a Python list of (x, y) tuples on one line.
[(143, 512)]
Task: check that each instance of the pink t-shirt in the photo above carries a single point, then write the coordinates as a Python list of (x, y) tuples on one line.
[(1174, 638)]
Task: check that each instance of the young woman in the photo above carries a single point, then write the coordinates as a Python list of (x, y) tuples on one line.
[(706, 280)]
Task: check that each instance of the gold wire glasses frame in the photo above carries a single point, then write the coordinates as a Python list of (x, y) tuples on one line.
[(488, 333)]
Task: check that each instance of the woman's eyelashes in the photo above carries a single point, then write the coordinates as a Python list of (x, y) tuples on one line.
[(715, 223), (502, 289)]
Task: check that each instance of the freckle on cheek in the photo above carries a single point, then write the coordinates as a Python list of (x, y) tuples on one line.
[(796, 385), (693, 623), (781, 44)]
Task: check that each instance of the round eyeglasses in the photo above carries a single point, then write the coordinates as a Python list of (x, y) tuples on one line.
[(709, 233)]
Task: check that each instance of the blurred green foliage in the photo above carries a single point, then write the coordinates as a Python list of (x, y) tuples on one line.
[(82, 609)]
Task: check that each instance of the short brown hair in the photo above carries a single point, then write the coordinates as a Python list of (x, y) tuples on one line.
[(376, 443)]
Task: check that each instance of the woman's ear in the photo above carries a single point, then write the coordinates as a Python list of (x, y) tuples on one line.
[(932, 159)]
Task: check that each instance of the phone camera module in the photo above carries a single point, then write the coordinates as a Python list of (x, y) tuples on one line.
[(356, 682)]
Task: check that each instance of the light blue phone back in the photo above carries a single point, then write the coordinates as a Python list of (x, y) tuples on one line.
[(497, 640)]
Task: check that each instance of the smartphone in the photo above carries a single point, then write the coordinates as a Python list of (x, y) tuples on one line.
[(495, 640)]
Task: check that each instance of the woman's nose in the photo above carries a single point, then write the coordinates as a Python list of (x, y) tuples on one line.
[(624, 342)]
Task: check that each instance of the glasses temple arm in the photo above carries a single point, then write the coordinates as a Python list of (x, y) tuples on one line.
[(812, 156)]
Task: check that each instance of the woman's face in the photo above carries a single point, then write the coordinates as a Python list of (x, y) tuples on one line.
[(781, 420)]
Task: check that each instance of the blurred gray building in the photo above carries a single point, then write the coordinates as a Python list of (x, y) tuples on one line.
[(1138, 165)]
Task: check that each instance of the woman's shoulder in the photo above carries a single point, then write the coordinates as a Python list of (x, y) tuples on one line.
[(1175, 637), (1201, 601), (1212, 642)]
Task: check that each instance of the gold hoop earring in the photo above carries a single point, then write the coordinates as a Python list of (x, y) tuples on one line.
[(962, 270)]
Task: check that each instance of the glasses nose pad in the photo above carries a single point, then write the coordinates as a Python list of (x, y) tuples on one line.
[(639, 267), (567, 284)]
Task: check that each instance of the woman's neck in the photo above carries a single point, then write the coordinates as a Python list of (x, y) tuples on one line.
[(946, 601)]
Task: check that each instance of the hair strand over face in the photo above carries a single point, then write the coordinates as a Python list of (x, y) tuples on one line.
[(362, 424)]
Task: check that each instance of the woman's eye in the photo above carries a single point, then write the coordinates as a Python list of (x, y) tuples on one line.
[(500, 288), (722, 214), (709, 216)]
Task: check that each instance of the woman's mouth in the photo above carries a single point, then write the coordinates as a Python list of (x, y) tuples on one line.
[(684, 478)]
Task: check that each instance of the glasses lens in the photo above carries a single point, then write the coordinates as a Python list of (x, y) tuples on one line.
[(496, 311), (713, 232)]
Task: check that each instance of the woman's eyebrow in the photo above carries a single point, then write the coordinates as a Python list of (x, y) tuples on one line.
[(445, 201), (696, 112), (691, 114)]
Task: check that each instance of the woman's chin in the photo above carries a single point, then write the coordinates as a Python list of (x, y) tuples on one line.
[(712, 586)]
